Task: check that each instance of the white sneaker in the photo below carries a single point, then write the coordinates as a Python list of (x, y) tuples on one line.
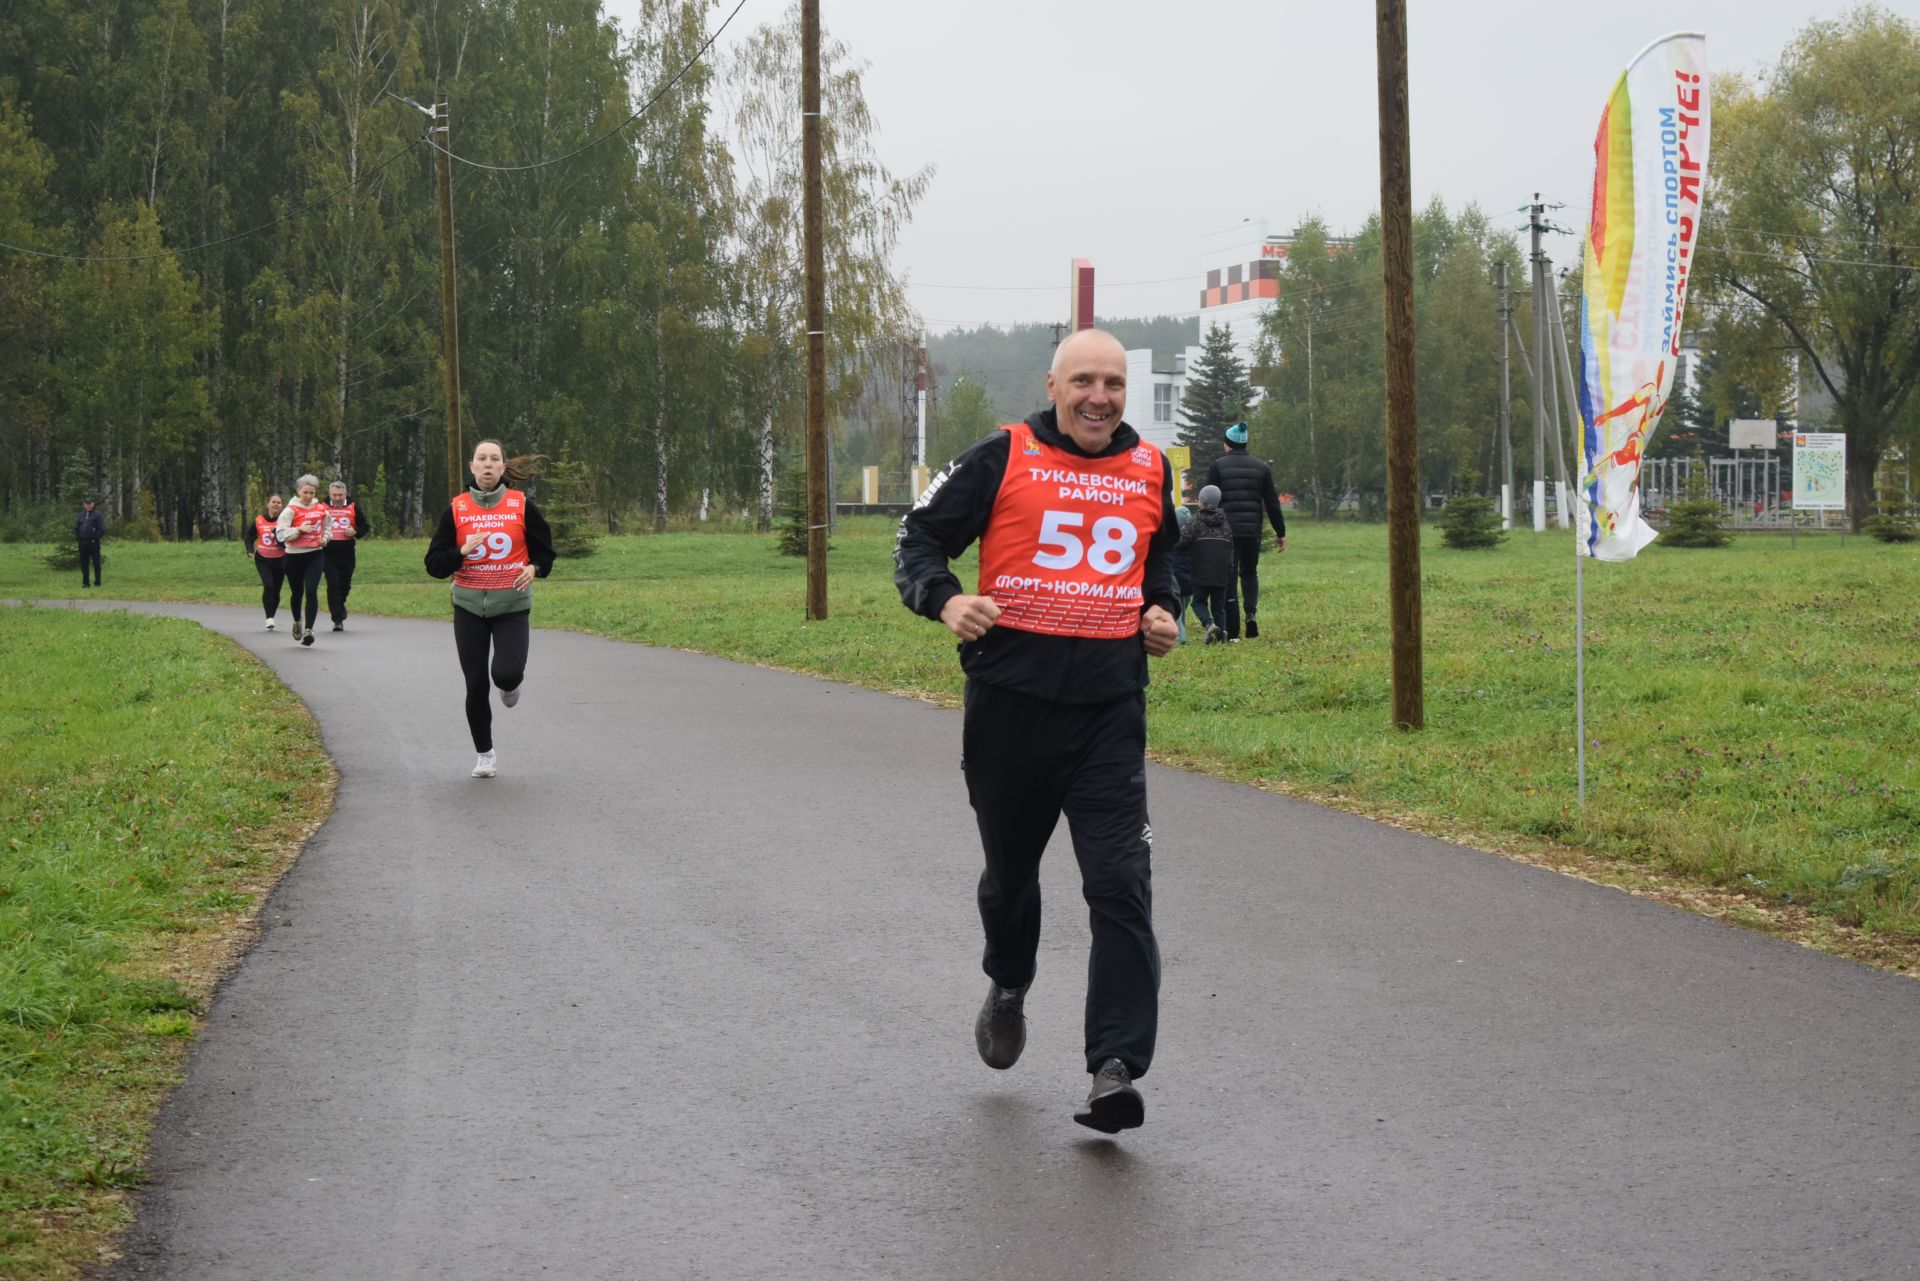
[(483, 765), (508, 697), (269, 624)]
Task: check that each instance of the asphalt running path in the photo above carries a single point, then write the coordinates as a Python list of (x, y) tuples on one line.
[(686, 992)]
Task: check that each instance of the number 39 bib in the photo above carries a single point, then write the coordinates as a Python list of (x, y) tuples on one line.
[(495, 562), (1065, 553)]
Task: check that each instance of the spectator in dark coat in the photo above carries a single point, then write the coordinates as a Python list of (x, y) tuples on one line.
[(1247, 495), (1208, 539), (89, 527)]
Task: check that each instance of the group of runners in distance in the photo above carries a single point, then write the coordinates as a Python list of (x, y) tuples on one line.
[(1075, 517), (295, 543)]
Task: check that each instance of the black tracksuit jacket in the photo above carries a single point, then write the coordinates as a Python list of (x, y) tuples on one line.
[(953, 514)]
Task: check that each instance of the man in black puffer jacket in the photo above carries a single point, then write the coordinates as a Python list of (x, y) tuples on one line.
[(1246, 495)]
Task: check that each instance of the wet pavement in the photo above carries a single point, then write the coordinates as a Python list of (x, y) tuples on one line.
[(687, 992)]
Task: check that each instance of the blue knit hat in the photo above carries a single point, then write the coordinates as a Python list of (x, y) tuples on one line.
[(1237, 434)]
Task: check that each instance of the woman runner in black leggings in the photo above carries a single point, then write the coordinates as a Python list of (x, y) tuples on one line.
[(493, 542), (302, 530), (269, 557)]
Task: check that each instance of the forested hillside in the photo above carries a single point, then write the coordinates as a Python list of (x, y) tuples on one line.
[(223, 266), (1012, 362)]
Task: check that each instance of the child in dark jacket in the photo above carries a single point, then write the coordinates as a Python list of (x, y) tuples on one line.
[(1208, 539)]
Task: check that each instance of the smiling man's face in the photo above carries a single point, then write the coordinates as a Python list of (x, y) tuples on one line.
[(1088, 388)]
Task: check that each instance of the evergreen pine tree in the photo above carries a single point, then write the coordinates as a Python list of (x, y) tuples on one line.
[(566, 499), (1470, 519), (1217, 396), (793, 512), (76, 482), (1893, 521), (1694, 521), (373, 500)]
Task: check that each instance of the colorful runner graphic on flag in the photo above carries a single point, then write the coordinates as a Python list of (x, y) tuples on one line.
[(1650, 162)]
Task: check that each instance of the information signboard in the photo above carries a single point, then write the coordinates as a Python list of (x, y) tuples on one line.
[(1820, 471)]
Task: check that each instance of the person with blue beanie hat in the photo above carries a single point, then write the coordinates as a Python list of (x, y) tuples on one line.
[(1246, 495)]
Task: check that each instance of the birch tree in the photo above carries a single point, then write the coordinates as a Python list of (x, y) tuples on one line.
[(865, 205)]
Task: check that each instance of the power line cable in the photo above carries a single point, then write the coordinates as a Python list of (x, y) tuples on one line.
[(1832, 262), (1105, 284), (1809, 235), (645, 107), (224, 240)]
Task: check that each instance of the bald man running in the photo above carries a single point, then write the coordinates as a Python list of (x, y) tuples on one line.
[(1074, 517)]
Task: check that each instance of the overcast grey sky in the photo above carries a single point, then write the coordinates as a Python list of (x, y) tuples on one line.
[(1125, 131)]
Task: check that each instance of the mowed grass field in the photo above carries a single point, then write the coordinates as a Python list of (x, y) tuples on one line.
[(1753, 716), (155, 780)]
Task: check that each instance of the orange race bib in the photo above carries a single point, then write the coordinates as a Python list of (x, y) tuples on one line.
[(1065, 551), (266, 542), (496, 562), (309, 525), (340, 521)]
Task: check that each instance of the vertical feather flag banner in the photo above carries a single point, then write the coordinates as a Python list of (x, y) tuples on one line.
[(1650, 164)]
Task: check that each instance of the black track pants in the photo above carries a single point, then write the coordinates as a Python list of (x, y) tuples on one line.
[(89, 559), (303, 586), (340, 561), (273, 572), (507, 635), (1027, 761), (1246, 559)]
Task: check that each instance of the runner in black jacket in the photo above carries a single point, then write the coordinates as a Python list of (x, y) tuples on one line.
[(1246, 494), (1056, 719)]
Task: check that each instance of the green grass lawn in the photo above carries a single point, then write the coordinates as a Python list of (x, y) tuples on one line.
[(154, 781), (1752, 719)]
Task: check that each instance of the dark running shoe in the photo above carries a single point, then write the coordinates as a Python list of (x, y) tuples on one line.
[(339, 627), (1253, 628), (306, 637), (1000, 1030), (1113, 1104)]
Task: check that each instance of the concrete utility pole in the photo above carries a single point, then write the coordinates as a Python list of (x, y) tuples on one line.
[(812, 216), (449, 309), (1570, 392), (1536, 223), (920, 418), (1506, 403), (1403, 432)]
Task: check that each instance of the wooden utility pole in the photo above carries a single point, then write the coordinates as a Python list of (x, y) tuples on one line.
[(1403, 431), (816, 310), (449, 311)]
